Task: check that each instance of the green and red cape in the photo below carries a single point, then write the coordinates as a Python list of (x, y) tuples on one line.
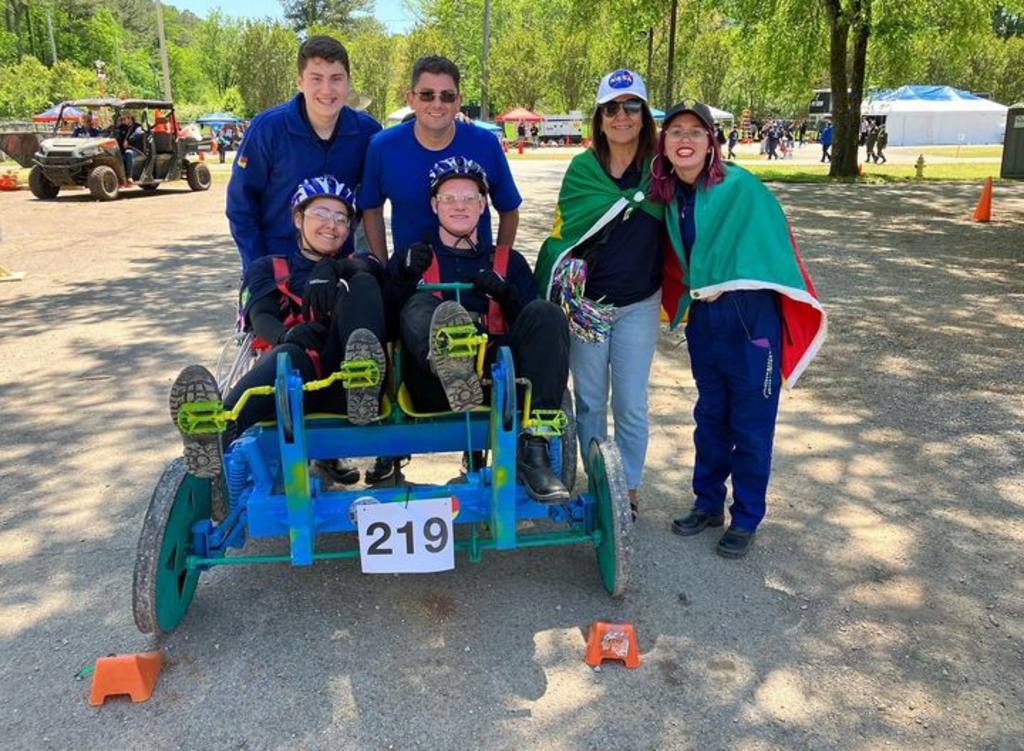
[(744, 242), (587, 201)]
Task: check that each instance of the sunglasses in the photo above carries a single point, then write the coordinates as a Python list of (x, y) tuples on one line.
[(631, 106), (428, 95)]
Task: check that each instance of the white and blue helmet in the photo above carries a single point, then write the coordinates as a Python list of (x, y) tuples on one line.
[(325, 185), (457, 166)]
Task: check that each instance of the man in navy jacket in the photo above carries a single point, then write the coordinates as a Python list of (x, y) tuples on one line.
[(312, 134)]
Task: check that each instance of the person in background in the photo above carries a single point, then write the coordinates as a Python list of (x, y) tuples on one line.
[(85, 127), (753, 321), (602, 263), (870, 140), (826, 142), (130, 137), (734, 137), (880, 144)]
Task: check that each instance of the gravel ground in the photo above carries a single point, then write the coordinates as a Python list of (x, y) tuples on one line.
[(881, 606)]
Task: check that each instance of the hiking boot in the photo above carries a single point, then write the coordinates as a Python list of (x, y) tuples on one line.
[(338, 471), (385, 468), (364, 401), (478, 462), (457, 374), (203, 452), (533, 470)]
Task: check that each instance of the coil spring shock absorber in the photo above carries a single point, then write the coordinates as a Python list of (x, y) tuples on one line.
[(238, 476)]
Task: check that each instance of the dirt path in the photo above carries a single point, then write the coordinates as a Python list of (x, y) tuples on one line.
[(883, 605)]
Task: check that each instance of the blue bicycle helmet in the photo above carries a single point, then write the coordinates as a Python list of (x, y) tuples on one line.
[(325, 185), (457, 166)]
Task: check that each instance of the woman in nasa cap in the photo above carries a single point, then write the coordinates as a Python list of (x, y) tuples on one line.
[(603, 263)]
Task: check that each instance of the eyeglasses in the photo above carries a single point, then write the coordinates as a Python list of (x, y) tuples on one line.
[(689, 134), (325, 215), (428, 95), (631, 106), (451, 199)]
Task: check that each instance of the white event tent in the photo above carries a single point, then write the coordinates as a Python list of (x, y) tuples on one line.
[(916, 115)]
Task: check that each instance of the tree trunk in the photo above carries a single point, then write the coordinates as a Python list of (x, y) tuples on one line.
[(17, 26), (846, 77), (671, 54)]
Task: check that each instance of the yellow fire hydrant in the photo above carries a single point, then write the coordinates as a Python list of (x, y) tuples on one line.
[(919, 167)]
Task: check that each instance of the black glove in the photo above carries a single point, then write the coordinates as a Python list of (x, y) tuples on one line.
[(321, 291), (490, 283), (310, 335), (417, 259), (361, 264)]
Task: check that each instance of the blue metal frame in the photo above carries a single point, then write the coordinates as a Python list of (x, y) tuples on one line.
[(273, 494)]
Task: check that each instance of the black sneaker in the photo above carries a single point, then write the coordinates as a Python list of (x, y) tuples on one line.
[(457, 374), (533, 470), (203, 453), (364, 402), (385, 468)]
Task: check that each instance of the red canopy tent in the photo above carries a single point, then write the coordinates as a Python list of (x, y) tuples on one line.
[(50, 115), (518, 114)]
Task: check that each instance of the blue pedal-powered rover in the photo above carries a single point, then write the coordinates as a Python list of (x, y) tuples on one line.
[(268, 489)]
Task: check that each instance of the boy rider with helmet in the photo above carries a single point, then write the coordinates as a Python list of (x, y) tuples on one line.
[(317, 307), (503, 303)]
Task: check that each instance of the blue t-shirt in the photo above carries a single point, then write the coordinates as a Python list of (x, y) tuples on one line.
[(397, 169), (628, 268)]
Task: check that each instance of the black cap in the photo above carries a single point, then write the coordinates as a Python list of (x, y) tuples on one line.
[(700, 110)]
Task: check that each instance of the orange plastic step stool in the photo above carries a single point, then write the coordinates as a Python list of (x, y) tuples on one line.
[(134, 675), (612, 641)]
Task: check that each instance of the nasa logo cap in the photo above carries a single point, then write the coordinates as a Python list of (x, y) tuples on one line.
[(621, 82)]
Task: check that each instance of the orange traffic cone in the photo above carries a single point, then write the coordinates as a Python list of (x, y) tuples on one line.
[(612, 641), (983, 212), (520, 147), (504, 145), (860, 168), (134, 675)]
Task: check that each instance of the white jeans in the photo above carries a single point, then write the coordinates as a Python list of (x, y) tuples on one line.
[(622, 361)]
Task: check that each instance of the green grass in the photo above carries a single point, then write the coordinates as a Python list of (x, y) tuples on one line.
[(975, 152), (886, 173)]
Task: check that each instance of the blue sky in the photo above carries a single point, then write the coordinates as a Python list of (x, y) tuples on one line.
[(390, 12)]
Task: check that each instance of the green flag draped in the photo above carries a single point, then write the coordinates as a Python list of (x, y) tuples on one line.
[(587, 201)]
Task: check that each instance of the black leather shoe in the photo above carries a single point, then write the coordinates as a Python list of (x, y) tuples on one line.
[(385, 468), (534, 471), (696, 521), (339, 471), (735, 543)]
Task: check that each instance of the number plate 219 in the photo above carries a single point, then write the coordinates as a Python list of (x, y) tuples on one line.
[(400, 538)]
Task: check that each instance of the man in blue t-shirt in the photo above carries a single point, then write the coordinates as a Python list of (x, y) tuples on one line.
[(312, 134), (399, 159), (398, 164)]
